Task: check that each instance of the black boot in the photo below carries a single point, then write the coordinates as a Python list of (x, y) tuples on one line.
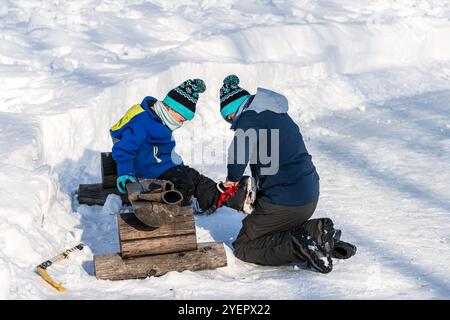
[(337, 235), (323, 232), (343, 250), (309, 251)]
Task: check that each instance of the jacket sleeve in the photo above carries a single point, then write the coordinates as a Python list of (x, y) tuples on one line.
[(125, 150), (243, 147)]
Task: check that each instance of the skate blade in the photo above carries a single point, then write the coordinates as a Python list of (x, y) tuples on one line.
[(249, 204)]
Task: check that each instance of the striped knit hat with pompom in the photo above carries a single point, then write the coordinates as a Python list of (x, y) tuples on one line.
[(183, 98), (231, 96)]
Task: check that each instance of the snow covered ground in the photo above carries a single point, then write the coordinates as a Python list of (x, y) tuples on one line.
[(367, 81)]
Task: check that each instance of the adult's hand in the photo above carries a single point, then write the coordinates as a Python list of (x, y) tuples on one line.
[(230, 184)]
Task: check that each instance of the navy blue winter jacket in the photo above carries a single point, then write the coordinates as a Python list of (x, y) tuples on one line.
[(143, 145), (296, 181)]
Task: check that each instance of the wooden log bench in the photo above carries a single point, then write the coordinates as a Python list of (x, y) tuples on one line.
[(208, 255), (149, 251)]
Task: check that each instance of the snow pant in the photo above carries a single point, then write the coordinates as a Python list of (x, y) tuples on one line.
[(265, 237), (191, 183)]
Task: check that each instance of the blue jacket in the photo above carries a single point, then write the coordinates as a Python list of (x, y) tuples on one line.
[(143, 145), (294, 181)]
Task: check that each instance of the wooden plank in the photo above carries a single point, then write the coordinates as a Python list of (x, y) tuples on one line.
[(109, 182), (108, 165), (138, 239), (154, 246), (130, 228), (209, 255), (95, 194), (109, 170)]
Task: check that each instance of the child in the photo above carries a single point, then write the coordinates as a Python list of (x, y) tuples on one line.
[(278, 231)]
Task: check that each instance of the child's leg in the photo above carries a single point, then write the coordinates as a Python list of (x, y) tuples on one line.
[(182, 182), (191, 183), (266, 238), (205, 190)]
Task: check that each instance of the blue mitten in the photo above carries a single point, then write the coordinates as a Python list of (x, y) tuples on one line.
[(122, 182)]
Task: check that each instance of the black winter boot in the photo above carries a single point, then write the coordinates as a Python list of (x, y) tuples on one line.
[(309, 251), (323, 232), (337, 235), (343, 250)]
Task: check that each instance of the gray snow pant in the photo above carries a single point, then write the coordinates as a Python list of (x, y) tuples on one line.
[(265, 237)]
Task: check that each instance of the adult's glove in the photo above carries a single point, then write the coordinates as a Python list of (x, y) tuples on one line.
[(122, 182)]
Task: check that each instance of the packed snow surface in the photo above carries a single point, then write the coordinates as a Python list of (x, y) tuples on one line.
[(368, 82)]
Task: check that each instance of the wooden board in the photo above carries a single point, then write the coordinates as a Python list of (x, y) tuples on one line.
[(109, 182), (137, 239), (155, 246), (95, 194), (108, 165), (130, 228), (209, 255), (109, 170)]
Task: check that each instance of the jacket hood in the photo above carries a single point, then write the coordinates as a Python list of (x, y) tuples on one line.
[(263, 100), (268, 100)]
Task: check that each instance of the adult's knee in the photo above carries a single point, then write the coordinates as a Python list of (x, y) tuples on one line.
[(239, 251)]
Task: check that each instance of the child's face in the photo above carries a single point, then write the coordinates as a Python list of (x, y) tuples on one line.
[(230, 117), (176, 116)]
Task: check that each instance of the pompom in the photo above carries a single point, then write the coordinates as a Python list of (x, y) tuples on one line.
[(231, 80), (201, 86)]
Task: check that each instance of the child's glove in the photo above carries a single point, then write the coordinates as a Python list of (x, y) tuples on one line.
[(122, 182)]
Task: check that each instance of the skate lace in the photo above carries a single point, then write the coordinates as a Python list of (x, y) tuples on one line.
[(227, 194)]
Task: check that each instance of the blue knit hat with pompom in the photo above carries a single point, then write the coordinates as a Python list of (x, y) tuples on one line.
[(183, 98), (231, 96)]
